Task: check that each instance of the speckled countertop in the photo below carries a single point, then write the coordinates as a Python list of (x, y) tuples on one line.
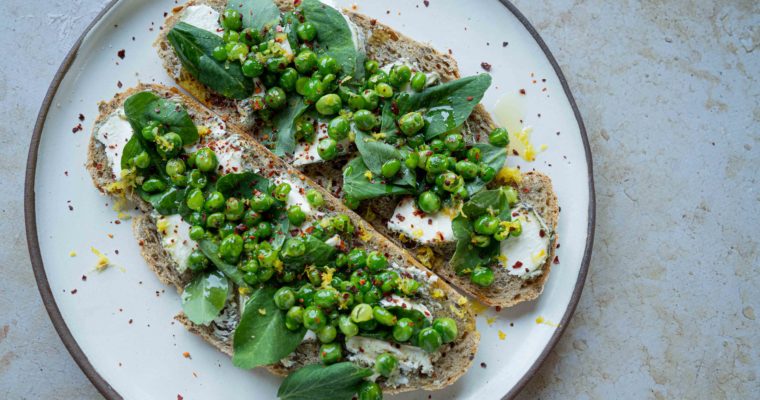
[(672, 107)]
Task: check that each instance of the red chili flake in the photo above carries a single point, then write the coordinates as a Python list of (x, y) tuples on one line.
[(541, 233), (483, 365), (130, 321), (119, 84), (517, 265), (73, 291), (179, 397), (66, 173), (186, 354), (121, 53), (514, 152), (373, 22), (522, 92), (557, 245), (400, 217), (504, 44), (76, 128), (71, 208), (394, 107), (556, 259), (469, 98), (84, 277), (296, 2), (498, 308), (81, 117), (117, 222), (426, 3), (526, 190), (486, 66)]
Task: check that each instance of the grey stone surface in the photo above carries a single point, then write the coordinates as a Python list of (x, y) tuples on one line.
[(672, 106)]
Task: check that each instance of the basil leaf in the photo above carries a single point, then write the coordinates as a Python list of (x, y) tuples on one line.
[(131, 149), (388, 119), (283, 125), (204, 297), (257, 14), (483, 202), (144, 107), (165, 203), (194, 47), (467, 257), (375, 153), (334, 36), (316, 382), (462, 227), (357, 185), (211, 250), (448, 104), (261, 337), (242, 184), (317, 253), (490, 155)]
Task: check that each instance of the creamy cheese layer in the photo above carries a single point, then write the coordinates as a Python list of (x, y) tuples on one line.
[(411, 360), (524, 255), (420, 227), (175, 238), (114, 133), (203, 17)]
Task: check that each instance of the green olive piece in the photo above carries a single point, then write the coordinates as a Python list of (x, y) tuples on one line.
[(330, 353), (429, 340), (329, 104), (447, 328), (482, 276), (284, 298), (327, 149), (429, 202), (370, 391), (390, 168), (411, 123), (386, 364), (499, 137), (306, 31), (338, 128), (365, 120), (232, 19), (403, 330), (419, 81), (205, 159)]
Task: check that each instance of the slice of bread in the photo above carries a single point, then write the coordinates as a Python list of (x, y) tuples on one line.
[(385, 45), (449, 363)]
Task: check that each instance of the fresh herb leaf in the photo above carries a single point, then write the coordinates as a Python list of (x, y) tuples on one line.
[(316, 382), (194, 47), (165, 203), (484, 202), (334, 36), (462, 227), (375, 153), (211, 250), (356, 182), (490, 155), (242, 184), (467, 257), (283, 125), (131, 149), (317, 253), (144, 107), (261, 337), (257, 14), (204, 297)]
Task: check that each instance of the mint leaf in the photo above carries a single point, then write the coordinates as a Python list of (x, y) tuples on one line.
[(317, 382), (204, 297)]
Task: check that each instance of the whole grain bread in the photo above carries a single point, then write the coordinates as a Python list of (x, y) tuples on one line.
[(451, 362), (385, 45)]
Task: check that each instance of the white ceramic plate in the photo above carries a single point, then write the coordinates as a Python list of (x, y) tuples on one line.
[(118, 323)]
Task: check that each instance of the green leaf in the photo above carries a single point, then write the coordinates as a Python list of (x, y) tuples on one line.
[(490, 155), (375, 153), (317, 382), (448, 104), (194, 47), (242, 184), (317, 253), (211, 250), (144, 107), (483, 202), (283, 125), (257, 14), (261, 337), (467, 257), (204, 297), (333, 36), (168, 202), (131, 149), (356, 184), (462, 227)]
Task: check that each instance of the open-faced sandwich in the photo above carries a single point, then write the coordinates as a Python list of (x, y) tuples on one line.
[(272, 269), (380, 120)]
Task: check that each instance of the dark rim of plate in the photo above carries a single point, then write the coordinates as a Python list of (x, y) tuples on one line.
[(71, 344)]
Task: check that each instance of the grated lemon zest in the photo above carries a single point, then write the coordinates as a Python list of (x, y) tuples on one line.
[(72, 253), (425, 255), (327, 277), (509, 175), (103, 261), (502, 335)]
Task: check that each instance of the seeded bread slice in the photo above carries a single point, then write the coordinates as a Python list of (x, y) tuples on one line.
[(450, 363)]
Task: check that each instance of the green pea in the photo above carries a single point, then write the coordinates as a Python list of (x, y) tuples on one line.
[(390, 168), (403, 330), (487, 173), (415, 141), (304, 129), (197, 261), (250, 37), (371, 66), (330, 353), (305, 62), (261, 202), (356, 102), (232, 19), (238, 52), (327, 149), (294, 318), (264, 274), (228, 46), (499, 137), (454, 141), (389, 281), (275, 98), (231, 247), (234, 209), (276, 65), (373, 295), (195, 199), (328, 65), (361, 313), (365, 120), (205, 159), (288, 276), (376, 261), (169, 145), (153, 129), (468, 169), (408, 286), (305, 295), (347, 327), (370, 391), (197, 233), (429, 202), (436, 164), (251, 265), (329, 104), (306, 31), (251, 218), (214, 220), (371, 99), (252, 68), (327, 334), (378, 77), (383, 316), (357, 258), (384, 90), (314, 198), (313, 90), (368, 326), (270, 78), (179, 180), (423, 154), (251, 279), (284, 298), (511, 194), (196, 218), (342, 223), (263, 230), (400, 75), (282, 191), (482, 276), (314, 318), (296, 215), (473, 154), (386, 364), (142, 160), (326, 298), (230, 37), (451, 182), (419, 81), (411, 123), (438, 146), (486, 224), (447, 328), (219, 53), (197, 179), (338, 128), (429, 340), (214, 201), (480, 240), (293, 247)]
